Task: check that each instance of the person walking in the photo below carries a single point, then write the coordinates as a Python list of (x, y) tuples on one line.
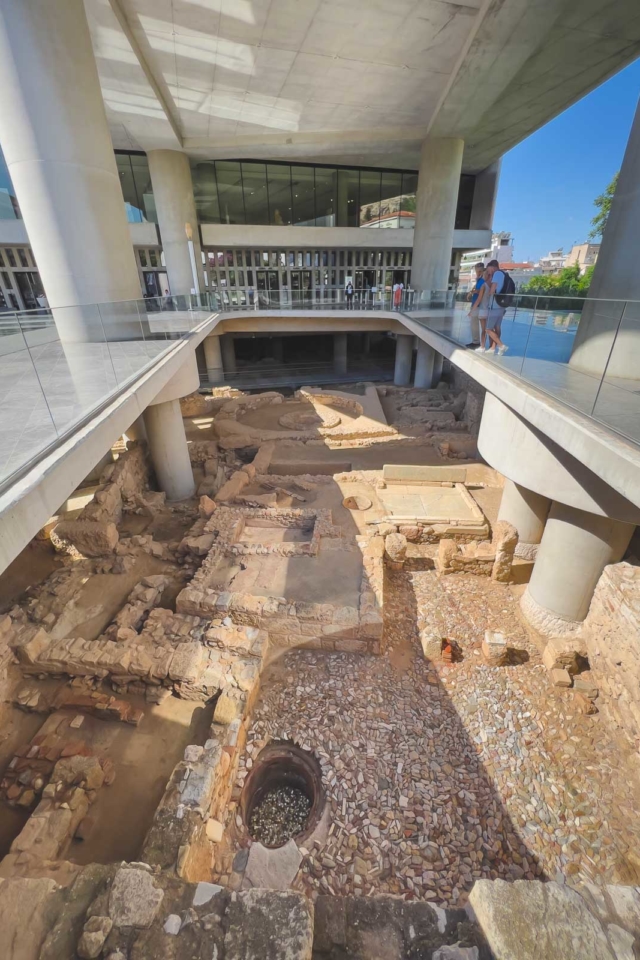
[(481, 307), (500, 287), (473, 296), (349, 295), (397, 295)]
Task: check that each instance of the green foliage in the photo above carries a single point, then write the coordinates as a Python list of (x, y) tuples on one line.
[(603, 204), (566, 283)]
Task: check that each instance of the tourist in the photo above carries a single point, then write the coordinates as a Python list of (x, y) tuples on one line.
[(496, 311), (473, 312), (349, 294), (481, 307), (397, 295)]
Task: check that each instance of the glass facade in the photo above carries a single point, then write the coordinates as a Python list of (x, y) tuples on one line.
[(276, 194), (133, 170), (304, 195), (9, 209)]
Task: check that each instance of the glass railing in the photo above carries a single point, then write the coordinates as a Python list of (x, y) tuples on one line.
[(49, 386), (583, 352), (325, 298)]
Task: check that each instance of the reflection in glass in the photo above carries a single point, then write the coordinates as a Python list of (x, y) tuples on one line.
[(407, 212), (256, 201), (326, 194), (230, 191), (390, 199), (205, 191), (9, 209), (369, 198), (348, 198), (280, 203), (302, 185)]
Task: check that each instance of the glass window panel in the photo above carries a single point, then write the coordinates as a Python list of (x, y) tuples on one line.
[(256, 200), (357, 258), (408, 204), (280, 202), (153, 258), (9, 209), (229, 254), (265, 257), (333, 258), (239, 258), (274, 258), (22, 257), (302, 187), (350, 258), (205, 191), (230, 191), (307, 258), (1, 259), (223, 277), (347, 198), (342, 258), (143, 258), (125, 174), (282, 257), (299, 258), (221, 258), (144, 190), (241, 278), (388, 258), (325, 258), (232, 278), (465, 201), (326, 196), (10, 257), (369, 198), (7, 281), (390, 198), (292, 258)]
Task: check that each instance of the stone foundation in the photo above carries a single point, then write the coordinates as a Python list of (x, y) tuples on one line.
[(489, 558)]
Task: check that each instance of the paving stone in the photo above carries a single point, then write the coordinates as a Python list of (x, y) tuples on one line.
[(273, 869), (267, 925), (134, 899)]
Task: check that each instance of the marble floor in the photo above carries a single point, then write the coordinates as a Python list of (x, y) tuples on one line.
[(539, 353)]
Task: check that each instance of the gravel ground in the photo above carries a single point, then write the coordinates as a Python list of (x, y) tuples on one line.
[(440, 774)]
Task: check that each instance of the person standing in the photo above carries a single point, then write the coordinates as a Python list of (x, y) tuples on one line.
[(497, 286), (473, 296), (349, 295), (397, 295)]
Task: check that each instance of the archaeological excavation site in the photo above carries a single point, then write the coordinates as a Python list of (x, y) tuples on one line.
[(311, 711)]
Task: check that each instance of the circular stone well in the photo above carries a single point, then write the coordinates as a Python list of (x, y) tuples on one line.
[(283, 796), (356, 503)]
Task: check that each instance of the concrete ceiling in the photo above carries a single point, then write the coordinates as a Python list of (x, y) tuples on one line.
[(349, 81)]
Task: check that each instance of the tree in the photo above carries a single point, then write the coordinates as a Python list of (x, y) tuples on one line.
[(603, 203)]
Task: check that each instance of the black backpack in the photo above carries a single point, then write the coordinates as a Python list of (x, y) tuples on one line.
[(503, 299)]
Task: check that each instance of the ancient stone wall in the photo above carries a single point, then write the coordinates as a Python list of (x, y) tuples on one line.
[(612, 635)]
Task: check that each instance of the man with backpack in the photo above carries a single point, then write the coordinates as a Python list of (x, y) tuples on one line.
[(501, 294)]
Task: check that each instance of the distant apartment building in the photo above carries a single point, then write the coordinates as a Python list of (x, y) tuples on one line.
[(552, 263), (501, 249), (584, 254)]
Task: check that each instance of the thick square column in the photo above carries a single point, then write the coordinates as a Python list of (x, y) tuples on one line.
[(213, 359), (404, 358), (436, 202)]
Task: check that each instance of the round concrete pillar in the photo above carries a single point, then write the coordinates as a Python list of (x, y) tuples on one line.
[(437, 369), (527, 512), (56, 142), (436, 202), (213, 359), (169, 450), (425, 360), (576, 546), (340, 353), (404, 358), (173, 196), (228, 354)]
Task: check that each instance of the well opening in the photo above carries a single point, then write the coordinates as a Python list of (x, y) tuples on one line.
[(283, 796)]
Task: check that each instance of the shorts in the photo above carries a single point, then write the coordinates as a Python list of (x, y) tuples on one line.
[(495, 316)]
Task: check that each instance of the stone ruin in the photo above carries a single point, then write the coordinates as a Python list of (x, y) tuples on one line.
[(216, 590)]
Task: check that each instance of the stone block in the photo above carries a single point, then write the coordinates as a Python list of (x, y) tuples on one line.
[(431, 645), (417, 474), (29, 652), (269, 925), (134, 899), (531, 920), (91, 538), (568, 653), (560, 677), (494, 648), (584, 684), (227, 710), (395, 549), (273, 869), (95, 932), (215, 831)]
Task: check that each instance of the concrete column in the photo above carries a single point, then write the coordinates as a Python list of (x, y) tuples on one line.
[(484, 197), (616, 279), (213, 359), (527, 512), (56, 142), (173, 196), (366, 343), (340, 353), (169, 451), (277, 348), (425, 359), (437, 369), (436, 201), (137, 430), (228, 354), (404, 358), (576, 546)]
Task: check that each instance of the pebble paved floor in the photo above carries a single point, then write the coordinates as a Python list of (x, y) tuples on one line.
[(438, 775)]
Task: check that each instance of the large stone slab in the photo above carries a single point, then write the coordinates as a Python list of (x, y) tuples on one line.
[(400, 473), (529, 920), (266, 925), (134, 899), (25, 919), (273, 869)]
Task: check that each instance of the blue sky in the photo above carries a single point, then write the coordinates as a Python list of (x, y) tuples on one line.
[(548, 182)]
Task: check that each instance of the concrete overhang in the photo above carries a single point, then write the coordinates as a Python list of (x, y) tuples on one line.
[(27, 505), (268, 322), (222, 235), (601, 451)]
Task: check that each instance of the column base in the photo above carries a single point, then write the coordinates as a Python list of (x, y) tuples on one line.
[(546, 622)]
